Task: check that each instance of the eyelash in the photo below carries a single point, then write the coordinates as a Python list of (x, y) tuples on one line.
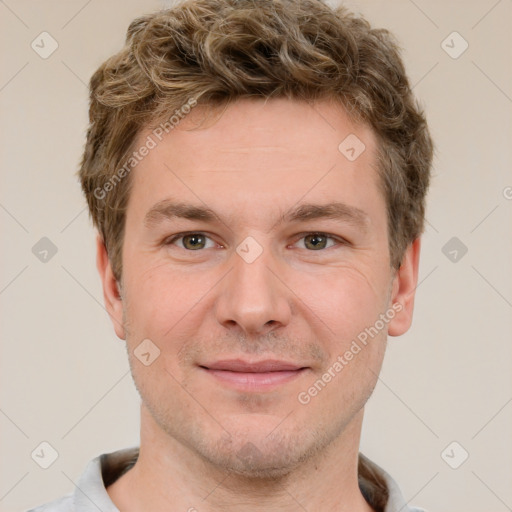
[(340, 241)]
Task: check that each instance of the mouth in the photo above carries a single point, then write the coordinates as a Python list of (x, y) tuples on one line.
[(253, 376)]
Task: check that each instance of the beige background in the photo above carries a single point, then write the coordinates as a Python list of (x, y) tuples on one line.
[(64, 374)]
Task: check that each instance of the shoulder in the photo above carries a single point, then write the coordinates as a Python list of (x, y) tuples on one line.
[(90, 492), (380, 489), (63, 504)]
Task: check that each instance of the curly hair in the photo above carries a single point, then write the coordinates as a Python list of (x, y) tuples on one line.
[(212, 52)]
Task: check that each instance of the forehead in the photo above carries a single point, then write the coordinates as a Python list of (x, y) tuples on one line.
[(281, 125), (258, 154)]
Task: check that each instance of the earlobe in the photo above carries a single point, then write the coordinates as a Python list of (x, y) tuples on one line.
[(111, 293), (404, 289)]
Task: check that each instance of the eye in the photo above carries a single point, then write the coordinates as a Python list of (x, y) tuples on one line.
[(319, 241), (194, 241), (191, 241)]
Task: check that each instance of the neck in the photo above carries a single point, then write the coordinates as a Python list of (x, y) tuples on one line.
[(167, 472)]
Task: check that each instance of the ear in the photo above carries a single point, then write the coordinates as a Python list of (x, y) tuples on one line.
[(403, 290), (111, 295)]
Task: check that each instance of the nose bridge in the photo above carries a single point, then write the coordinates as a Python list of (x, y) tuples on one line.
[(252, 297)]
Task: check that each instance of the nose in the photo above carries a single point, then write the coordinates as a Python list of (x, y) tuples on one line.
[(253, 298)]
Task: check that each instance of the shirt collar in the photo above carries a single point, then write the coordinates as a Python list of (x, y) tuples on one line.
[(378, 487)]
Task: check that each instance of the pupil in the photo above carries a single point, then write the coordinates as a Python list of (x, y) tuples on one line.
[(194, 241), (317, 240)]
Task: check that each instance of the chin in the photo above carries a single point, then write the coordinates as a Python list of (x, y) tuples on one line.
[(261, 457), (253, 463), (262, 472)]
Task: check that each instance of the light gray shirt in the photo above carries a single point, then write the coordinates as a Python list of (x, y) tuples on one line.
[(90, 494)]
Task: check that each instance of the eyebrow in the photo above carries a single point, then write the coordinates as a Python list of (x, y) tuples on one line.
[(168, 209)]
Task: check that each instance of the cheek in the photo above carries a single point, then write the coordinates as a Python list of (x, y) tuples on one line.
[(160, 298), (168, 308), (338, 301), (346, 299)]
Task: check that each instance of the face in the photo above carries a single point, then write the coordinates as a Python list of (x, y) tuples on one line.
[(255, 257)]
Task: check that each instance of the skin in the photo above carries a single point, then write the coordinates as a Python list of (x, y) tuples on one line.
[(292, 303)]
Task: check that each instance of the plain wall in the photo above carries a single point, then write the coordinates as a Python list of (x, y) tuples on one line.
[(64, 374)]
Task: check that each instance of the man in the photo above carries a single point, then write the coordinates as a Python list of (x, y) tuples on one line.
[(257, 173)]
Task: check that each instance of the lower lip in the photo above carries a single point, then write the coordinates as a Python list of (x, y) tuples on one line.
[(255, 381)]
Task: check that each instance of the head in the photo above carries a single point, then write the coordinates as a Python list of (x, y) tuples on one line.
[(257, 174)]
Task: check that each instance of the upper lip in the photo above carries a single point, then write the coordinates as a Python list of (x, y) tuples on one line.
[(239, 365)]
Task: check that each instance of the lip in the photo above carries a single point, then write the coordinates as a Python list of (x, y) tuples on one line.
[(253, 376), (239, 365)]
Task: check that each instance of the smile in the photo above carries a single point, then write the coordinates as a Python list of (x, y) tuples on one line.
[(257, 376)]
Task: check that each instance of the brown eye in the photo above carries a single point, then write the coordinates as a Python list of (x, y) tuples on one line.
[(316, 241), (191, 241), (194, 242)]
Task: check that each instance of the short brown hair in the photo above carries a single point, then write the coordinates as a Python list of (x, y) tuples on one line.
[(212, 52)]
